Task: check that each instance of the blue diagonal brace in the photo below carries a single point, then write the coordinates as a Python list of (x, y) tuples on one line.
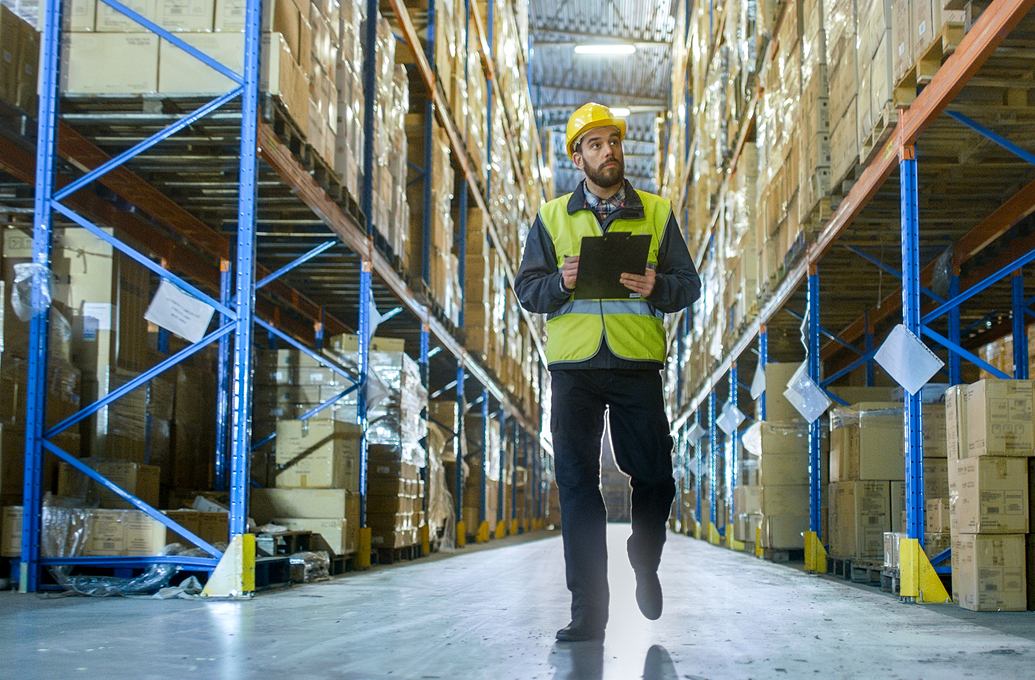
[(827, 333), (322, 360), (136, 382), (988, 282), (131, 499), (888, 269), (969, 356), (315, 252), (307, 415), (995, 137), (158, 269), (146, 144)]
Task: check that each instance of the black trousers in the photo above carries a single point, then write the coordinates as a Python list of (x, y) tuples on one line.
[(642, 446)]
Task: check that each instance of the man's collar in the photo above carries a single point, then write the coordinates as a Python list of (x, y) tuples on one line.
[(578, 198)]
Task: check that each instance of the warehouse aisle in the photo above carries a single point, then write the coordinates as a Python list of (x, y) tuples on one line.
[(492, 613)]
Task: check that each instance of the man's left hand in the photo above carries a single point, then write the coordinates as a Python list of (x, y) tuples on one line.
[(639, 283)]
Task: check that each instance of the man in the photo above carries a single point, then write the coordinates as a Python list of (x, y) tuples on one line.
[(607, 355)]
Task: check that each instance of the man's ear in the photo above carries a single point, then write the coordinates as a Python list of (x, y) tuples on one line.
[(576, 158)]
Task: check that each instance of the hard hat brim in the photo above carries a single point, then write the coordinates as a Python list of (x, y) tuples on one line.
[(604, 122)]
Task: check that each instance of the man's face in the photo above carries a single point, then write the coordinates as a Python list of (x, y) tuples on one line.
[(600, 156)]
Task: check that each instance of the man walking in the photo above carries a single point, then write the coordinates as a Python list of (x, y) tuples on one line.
[(606, 355)]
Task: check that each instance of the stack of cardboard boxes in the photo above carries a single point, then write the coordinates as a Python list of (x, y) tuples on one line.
[(990, 439), (475, 428)]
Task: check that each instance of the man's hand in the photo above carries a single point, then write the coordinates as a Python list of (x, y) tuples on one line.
[(570, 271), (637, 283)]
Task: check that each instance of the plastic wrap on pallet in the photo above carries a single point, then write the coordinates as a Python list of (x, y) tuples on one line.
[(316, 565), (841, 417)]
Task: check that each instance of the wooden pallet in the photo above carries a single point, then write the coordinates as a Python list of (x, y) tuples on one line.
[(783, 554), (889, 581), (880, 133), (276, 114), (929, 61), (393, 555), (272, 572), (856, 571)]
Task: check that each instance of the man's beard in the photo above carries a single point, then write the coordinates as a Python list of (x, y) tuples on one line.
[(606, 176)]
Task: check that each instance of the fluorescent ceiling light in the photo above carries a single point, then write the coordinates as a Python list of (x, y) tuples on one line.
[(606, 49), (620, 111)]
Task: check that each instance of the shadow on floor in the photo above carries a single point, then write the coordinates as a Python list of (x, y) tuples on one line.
[(585, 661)]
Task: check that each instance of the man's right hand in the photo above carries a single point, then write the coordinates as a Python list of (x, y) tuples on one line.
[(570, 271)]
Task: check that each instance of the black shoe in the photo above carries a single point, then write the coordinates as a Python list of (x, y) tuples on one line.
[(579, 631), (648, 594)]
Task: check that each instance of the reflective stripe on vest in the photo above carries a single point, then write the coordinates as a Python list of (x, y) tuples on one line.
[(641, 307), (632, 328)]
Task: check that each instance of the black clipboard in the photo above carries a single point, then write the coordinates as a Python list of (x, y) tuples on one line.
[(602, 261)]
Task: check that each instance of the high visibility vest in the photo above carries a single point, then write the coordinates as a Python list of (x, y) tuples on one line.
[(631, 327)]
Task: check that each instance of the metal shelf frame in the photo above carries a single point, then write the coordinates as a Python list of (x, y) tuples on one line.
[(236, 305), (899, 152)]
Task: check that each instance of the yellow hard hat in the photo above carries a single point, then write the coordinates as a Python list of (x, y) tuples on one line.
[(587, 117)]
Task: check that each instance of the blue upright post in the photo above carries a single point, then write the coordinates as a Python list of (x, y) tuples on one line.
[(429, 120), (36, 379), (763, 359), (713, 454), (458, 442), (1020, 331), (424, 373), (911, 318), (815, 490), (734, 450), (868, 348), (223, 381), (483, 495), (699, 474), (240, 441), (501, 416), (514, 445), (955, 361)]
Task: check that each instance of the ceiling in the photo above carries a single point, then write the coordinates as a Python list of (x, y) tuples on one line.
[(562, 80)]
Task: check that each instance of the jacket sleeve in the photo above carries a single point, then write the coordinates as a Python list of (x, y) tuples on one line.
[(538, 282), (677, 285)]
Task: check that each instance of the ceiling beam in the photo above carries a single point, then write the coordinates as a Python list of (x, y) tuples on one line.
[(630, 99), (586, 35)]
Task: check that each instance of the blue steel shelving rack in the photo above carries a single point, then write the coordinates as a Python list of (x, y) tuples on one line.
[(900, 152), (235, 305)]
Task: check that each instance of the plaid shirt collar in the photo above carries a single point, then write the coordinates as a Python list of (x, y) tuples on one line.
[(603, 207)]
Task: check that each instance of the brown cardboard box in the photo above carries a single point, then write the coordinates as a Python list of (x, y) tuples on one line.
[(775, 469), (860, 513), (110, 20), (138, 479), (106, 535), (777, 408), (333, 530), (935, 543), (956, 422), (988, 572), (989, 496), (872, 444), (999, 418), (936, 477), (318, 454), (186, 15), (1029, 564), (189, 520), (214, 526), (785, 500), (747, 499), (897, 493), (181, 73), (936, 515), (935, 443), (141, 534), (784, 438), (11, 531), (109, 63), (300, 503), (784, 532)]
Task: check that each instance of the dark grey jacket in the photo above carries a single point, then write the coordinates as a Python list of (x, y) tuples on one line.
[(538, 282)]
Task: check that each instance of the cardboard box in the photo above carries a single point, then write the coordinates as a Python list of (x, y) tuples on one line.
[(785, 500), (989, 496), (109, 63), (935, 543), (784, 437), (999, 418), (936, 515), (777, 408), (897, 498), (891, 548), (11, 531), (181, 73), (332, 530), (189, 520), (138, 479), (784, 532), (300, 503), (142, 535), (783, 469), (860, 513), (872, 444), (956, 422), (321, 454), (936, 477), (1029, 568), (186, 15), (747, 499), (214, 527), (934, 431), (744, 526), (988, 572), (110, 20)]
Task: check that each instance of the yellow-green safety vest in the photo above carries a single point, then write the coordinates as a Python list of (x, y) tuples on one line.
[(631, 327)]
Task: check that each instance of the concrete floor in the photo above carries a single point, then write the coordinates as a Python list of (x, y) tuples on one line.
[(491, 613)]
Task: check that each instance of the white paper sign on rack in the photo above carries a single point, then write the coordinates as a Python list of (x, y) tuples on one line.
[(907, 359), (730, 419), (752, 439), (695, 434), (758, 382), (179, 313), (805, 395)]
